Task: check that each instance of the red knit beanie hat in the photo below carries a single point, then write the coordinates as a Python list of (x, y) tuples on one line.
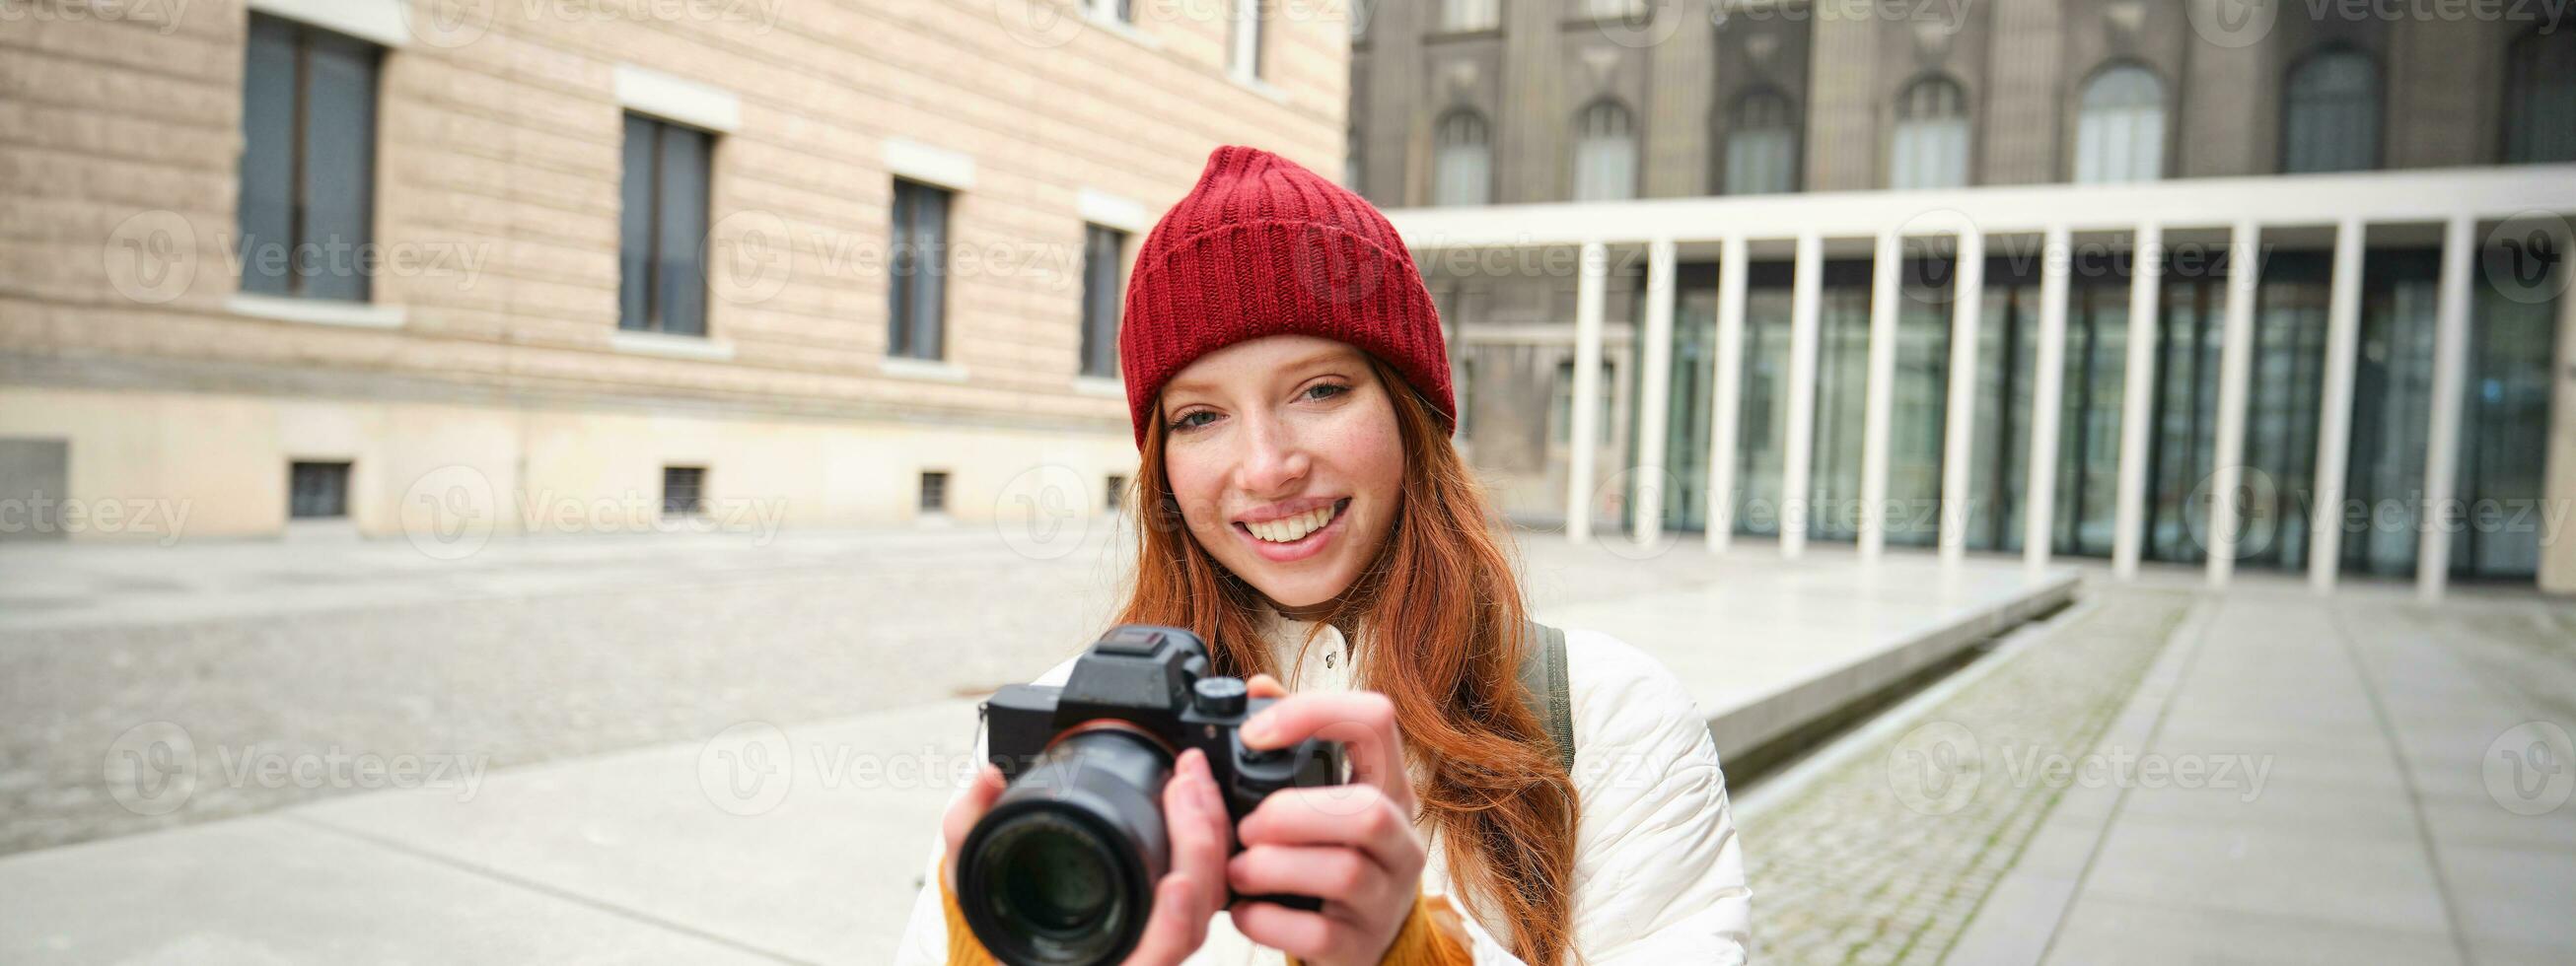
[(1261, 247)]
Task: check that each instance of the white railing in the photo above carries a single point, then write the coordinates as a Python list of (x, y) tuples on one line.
[(2242, 208)]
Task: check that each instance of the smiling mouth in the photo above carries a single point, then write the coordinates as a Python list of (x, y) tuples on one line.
[(1287, 530)]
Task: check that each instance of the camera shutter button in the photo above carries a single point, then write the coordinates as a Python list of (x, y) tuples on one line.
[(1219, 697)]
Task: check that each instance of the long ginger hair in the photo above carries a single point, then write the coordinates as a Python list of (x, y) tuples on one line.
[(1445, 612)]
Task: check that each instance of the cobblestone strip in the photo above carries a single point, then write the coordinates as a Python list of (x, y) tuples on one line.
[(1885, 858)]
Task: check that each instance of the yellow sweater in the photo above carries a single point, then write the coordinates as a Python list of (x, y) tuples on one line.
[(1431, 936)]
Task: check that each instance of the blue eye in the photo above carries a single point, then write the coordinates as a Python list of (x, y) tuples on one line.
[(1326, 390), (1190, 420)]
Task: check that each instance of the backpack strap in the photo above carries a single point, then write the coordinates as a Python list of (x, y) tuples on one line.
[(1545, 690)]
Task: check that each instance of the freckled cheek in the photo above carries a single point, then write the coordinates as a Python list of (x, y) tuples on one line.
[(1197, 482)]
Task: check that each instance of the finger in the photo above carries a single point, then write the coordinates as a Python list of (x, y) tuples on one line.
[(965, 812), (1198, 831), (1363, 721), (1335, 874), (1349, 816), (1265, 686), (1309, 936), (1170, 934)]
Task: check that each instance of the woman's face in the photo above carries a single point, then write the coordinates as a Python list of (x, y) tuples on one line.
[(1285, 457)]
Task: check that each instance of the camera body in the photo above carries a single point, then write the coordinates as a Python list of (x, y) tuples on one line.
[(1062, 869), (1154, 679)]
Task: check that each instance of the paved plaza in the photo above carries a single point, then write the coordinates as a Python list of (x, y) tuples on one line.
[(726, 748)]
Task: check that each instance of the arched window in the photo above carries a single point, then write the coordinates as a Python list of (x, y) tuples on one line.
[(2540, 98), (2120, 127), (1463, 15), (1462, 159), (1930, 149), (1605, 152), (1762, 145), (2330, 113)]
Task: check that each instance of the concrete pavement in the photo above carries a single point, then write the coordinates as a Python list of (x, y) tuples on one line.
[(754, 828)]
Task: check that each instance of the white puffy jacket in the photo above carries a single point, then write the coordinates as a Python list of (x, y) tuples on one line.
[(1658, 874)]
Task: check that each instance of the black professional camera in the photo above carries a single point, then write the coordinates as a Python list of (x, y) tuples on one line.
[(1063, 869)]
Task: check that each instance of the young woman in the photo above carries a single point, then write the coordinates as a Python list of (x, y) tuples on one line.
[(1300, 506)]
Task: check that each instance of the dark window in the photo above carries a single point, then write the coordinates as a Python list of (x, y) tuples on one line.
[(934, 491), (2540, 97), (1762, 145), (317, 490), (662, 228), (307, 205), (1462, 159), (2330, 114), (684, 490), (917, 294), (1116, 489), (1100, 254)]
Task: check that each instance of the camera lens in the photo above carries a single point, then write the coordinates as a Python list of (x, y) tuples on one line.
[(1052, 878), (1062, 870)]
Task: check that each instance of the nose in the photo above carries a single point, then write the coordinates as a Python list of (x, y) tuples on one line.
[(1274, 458)]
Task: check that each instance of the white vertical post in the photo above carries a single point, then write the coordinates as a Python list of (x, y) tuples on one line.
[(2146, 275), (1877, 400), (2235, 371), (1806, 297), (1585, 433), (1959, 425), (1728, 388), (2334, 413), (2442, 438), (1654, 395), (2047, 388)]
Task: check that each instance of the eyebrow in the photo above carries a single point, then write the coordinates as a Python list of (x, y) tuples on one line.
[(1312, 360)]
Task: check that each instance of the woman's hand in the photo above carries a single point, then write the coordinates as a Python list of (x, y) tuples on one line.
[(1190, 893), (1351, 845)]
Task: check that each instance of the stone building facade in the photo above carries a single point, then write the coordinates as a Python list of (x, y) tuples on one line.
[(386, 265)]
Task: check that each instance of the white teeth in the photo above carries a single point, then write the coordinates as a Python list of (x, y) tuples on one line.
[(1292, 529)]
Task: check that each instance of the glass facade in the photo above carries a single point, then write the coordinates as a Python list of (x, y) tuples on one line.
[(2504, 426)]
